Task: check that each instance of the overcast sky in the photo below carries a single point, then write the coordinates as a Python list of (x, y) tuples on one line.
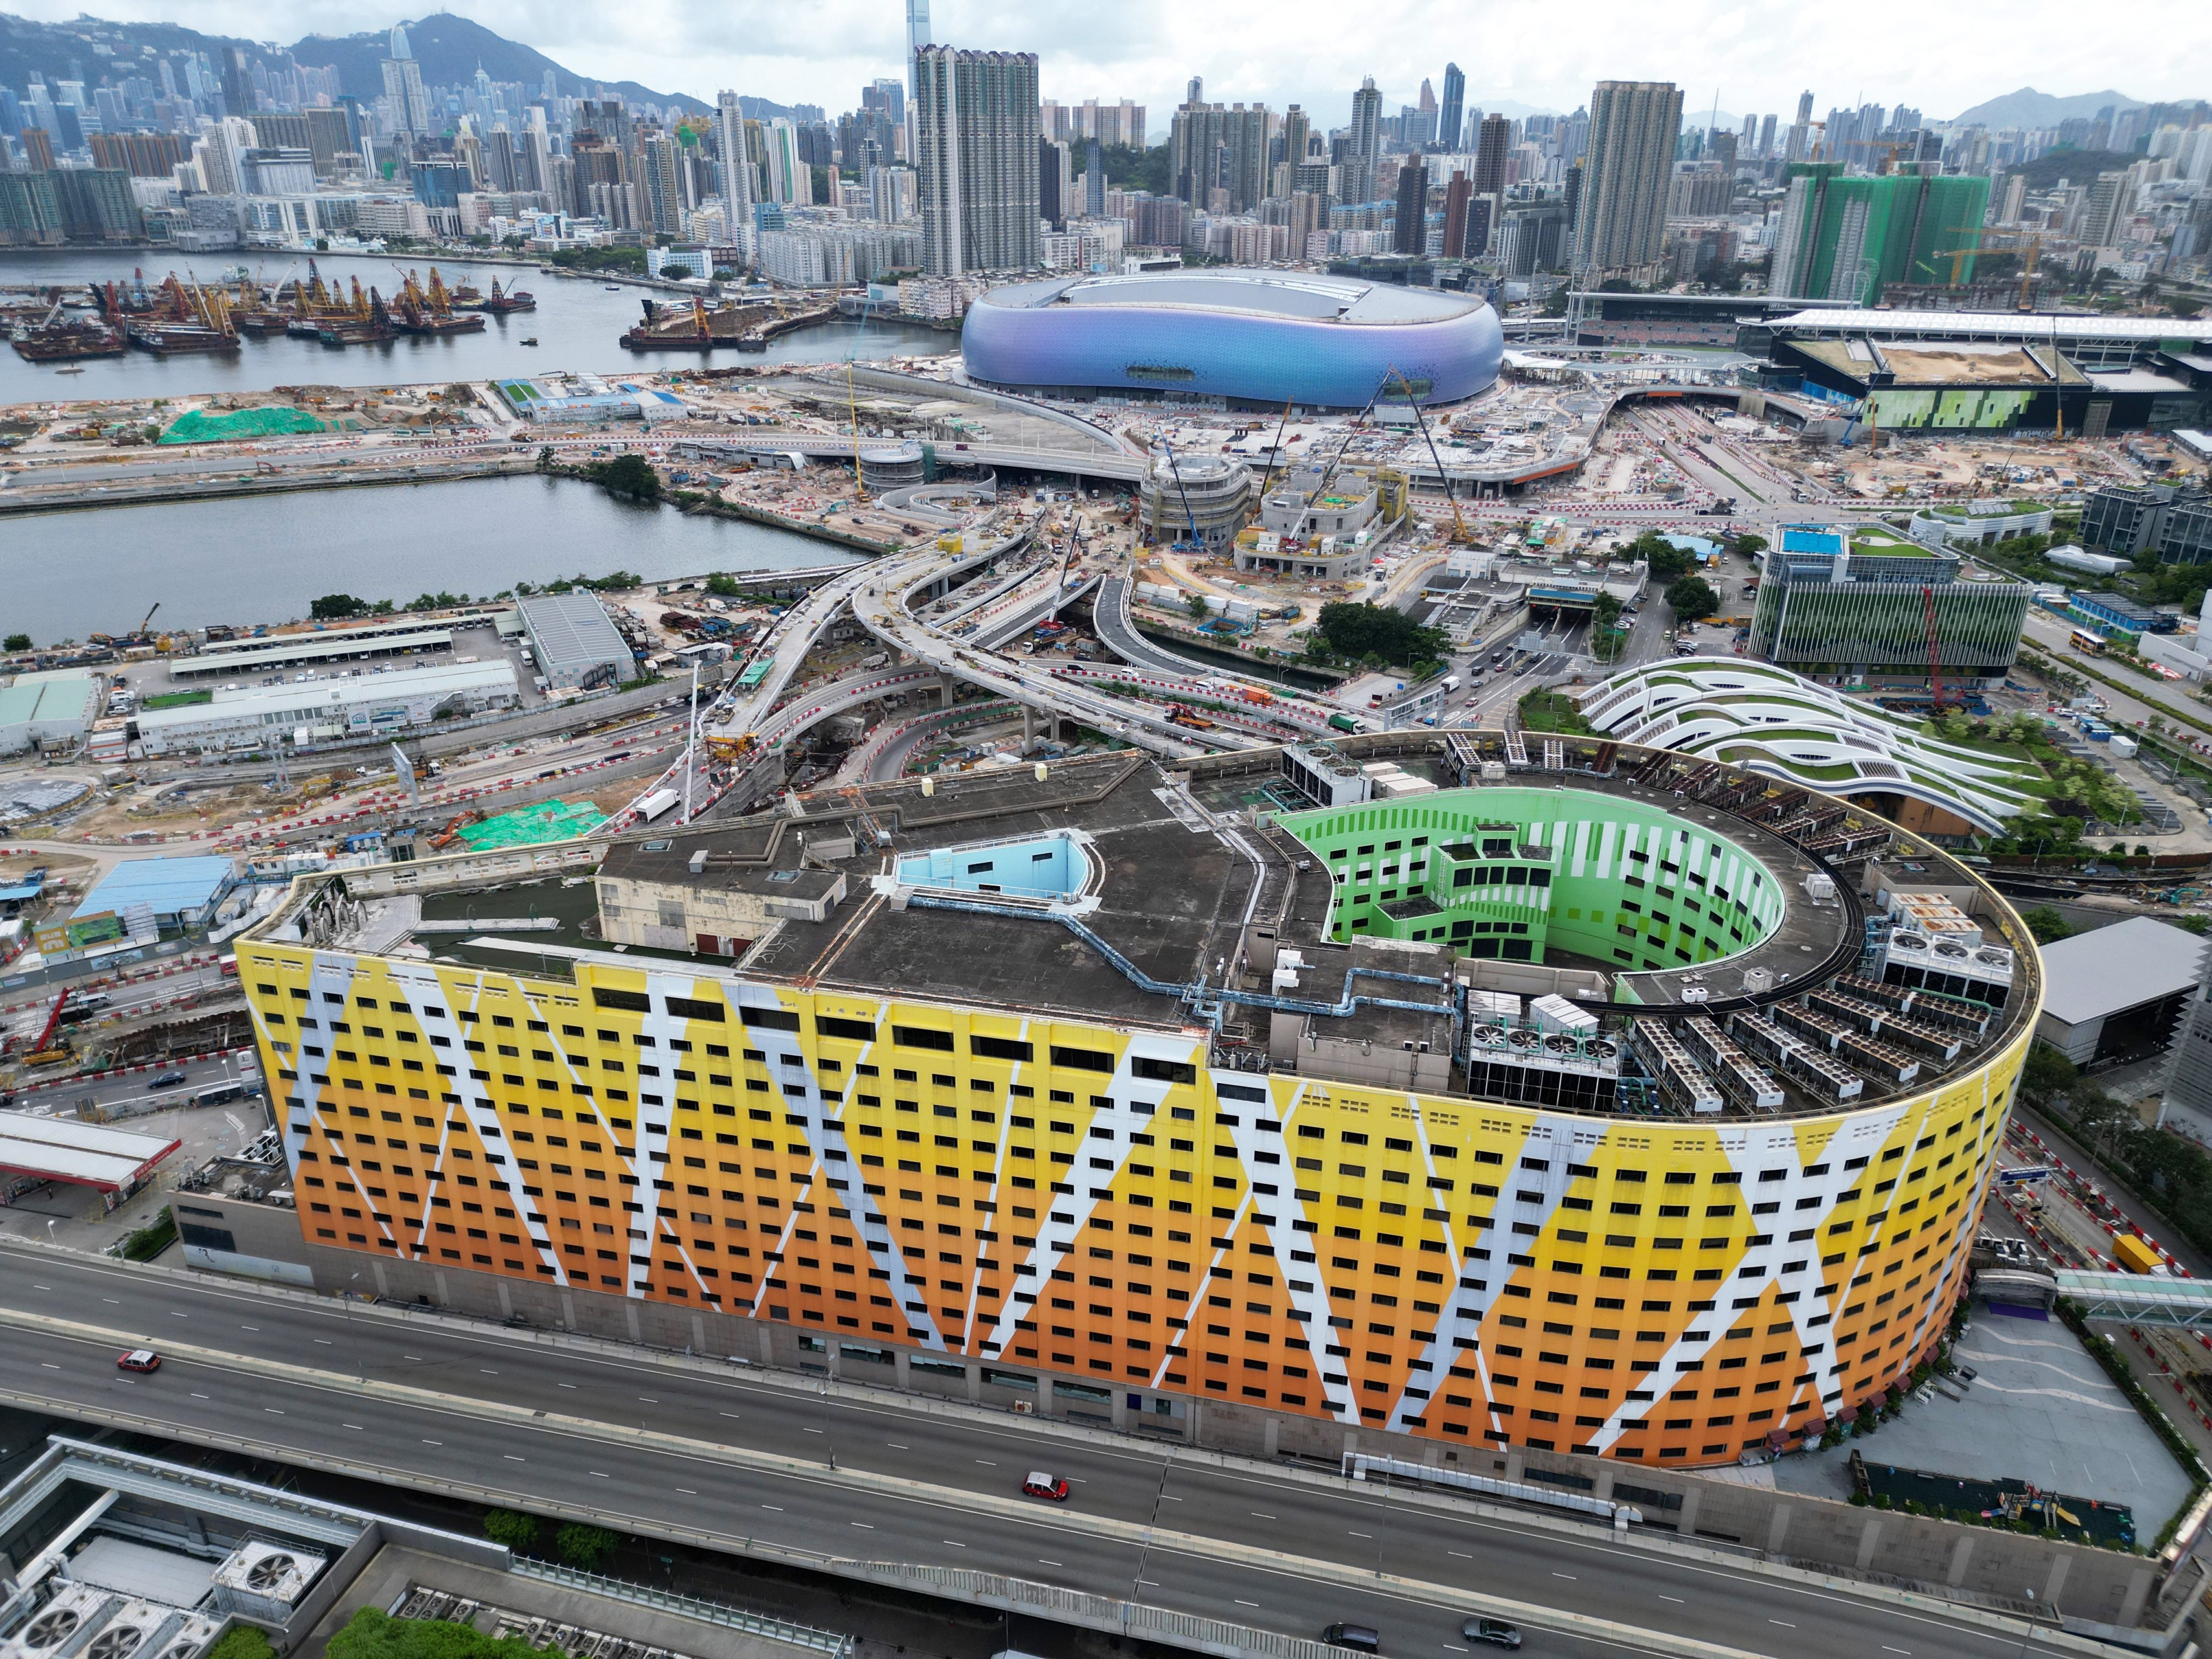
[(1940, 57)]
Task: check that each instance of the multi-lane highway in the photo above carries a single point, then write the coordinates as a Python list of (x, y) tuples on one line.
[(852, 1474)]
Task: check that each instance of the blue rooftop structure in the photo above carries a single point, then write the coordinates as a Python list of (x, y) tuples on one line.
[(1812, 538), (180, 892)]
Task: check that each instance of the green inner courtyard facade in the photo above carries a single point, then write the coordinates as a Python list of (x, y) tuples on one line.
[(1509, 874)]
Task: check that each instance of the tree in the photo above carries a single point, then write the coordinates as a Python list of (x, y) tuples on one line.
[(585, 1546), (2047, 925), (1691, 598), (518, 1531), (630, 474), (17, 643), (1749, 545), (1390, 636), (1665, 559), (337, 607)]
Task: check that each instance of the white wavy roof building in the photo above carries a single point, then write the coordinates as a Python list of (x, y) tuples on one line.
[(1768, 720)]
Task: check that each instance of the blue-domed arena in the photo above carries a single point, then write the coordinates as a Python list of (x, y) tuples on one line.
[(1264, 337)]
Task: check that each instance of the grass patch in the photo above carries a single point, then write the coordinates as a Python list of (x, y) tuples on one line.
[(1554, 711), (178, 699)]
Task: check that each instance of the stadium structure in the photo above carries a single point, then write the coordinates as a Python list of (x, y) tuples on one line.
[(1770, 720), (1598, 1099), (1263, 338)]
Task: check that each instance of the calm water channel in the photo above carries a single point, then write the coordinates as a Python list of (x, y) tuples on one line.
[(261, 559), (577, 325)]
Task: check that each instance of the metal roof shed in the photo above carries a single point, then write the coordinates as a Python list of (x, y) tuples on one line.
[(575, 643), (2116, 990), (85, 1154), (180, 892)]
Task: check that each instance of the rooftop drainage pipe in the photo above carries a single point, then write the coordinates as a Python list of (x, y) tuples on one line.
[(1198, 990)]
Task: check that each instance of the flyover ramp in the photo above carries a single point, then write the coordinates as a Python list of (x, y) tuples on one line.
[(740, 1459)]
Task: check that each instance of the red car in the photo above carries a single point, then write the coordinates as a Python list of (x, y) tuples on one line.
[(139, 1359), (1038, 1484)]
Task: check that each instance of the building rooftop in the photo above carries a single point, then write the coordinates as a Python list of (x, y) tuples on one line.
[(294, 700), (62, 1149), (2108, 969), (1293, 296), (1113, 887), (1989, 324), (571, 631), (164, 885)]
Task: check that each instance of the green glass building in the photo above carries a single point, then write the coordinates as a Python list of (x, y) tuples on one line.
[(1845, 238), (1846, 610)]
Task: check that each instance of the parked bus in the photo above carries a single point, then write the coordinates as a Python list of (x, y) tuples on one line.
[(2089, 644), (215, 1093)]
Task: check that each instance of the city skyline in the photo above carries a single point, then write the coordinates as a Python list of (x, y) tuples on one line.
[(1147, 52)]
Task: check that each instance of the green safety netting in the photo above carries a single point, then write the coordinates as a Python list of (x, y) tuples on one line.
[(196, 426), (525, 826)]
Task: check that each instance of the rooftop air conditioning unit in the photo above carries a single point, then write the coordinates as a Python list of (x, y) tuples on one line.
[(264, 1581), (136, 1630), (187, 1641), (72, 1618)]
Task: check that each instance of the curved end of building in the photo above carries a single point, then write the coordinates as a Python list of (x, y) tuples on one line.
[(1266, 337)]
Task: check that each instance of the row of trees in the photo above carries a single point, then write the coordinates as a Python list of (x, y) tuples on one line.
[(345, 607)]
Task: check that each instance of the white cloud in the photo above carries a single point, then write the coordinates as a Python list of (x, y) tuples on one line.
[(1942, 58)]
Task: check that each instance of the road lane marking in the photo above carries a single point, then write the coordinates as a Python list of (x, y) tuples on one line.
[(1676, 1600), (1569, 1577), (778, 1507), (868, 1525), (50, 1364), (1363, 1535), (647, 1398), (199, 1396), (1241, 1602), (256, 1329), (728, 1413), (1886, 1648), (175, 1313), (1043, 1563), (894, 1444), (1259, 1516), (512, 1458), (809, 1431), (346, 1426), (687, 1491), (1784, 1623), (41, 1287), (567, 1385), (433, 1443), (272, 1411), (1463, 1555), (323, 1341), (600, 1474), (110, 1302)]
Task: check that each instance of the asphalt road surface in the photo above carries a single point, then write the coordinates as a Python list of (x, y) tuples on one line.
[(824, 1494)]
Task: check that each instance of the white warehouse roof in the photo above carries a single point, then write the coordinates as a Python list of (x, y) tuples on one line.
[(2107, 970), (298, 702)]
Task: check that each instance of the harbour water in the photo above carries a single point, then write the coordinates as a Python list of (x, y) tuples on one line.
[(577, 325), (263, 558)]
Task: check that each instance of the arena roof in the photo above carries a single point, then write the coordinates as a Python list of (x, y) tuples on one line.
[(1308, 298)]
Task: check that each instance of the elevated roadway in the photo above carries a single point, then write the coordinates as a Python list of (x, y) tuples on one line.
[(839, 1476), (1108, 465)]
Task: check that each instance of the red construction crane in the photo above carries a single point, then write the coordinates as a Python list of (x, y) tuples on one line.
[(1935, 659)]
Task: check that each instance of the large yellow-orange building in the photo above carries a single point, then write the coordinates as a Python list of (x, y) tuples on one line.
[(1113, 1075)]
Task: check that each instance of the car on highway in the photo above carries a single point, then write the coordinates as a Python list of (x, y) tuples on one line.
[(1495, 1631), (1363, 1638), (1037, 1484), (167, 1079), (138, 1359)]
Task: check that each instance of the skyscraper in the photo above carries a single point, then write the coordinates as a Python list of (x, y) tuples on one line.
[(1634, 125), (1211, 147), (1456, 195), (917, 37), (1490, 146), (1844, 240), (1298, 132), (736, 167), (1412, 221), (1449, 117), (975, 124), (403, 85), (1766, 138), (1365, 145)]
